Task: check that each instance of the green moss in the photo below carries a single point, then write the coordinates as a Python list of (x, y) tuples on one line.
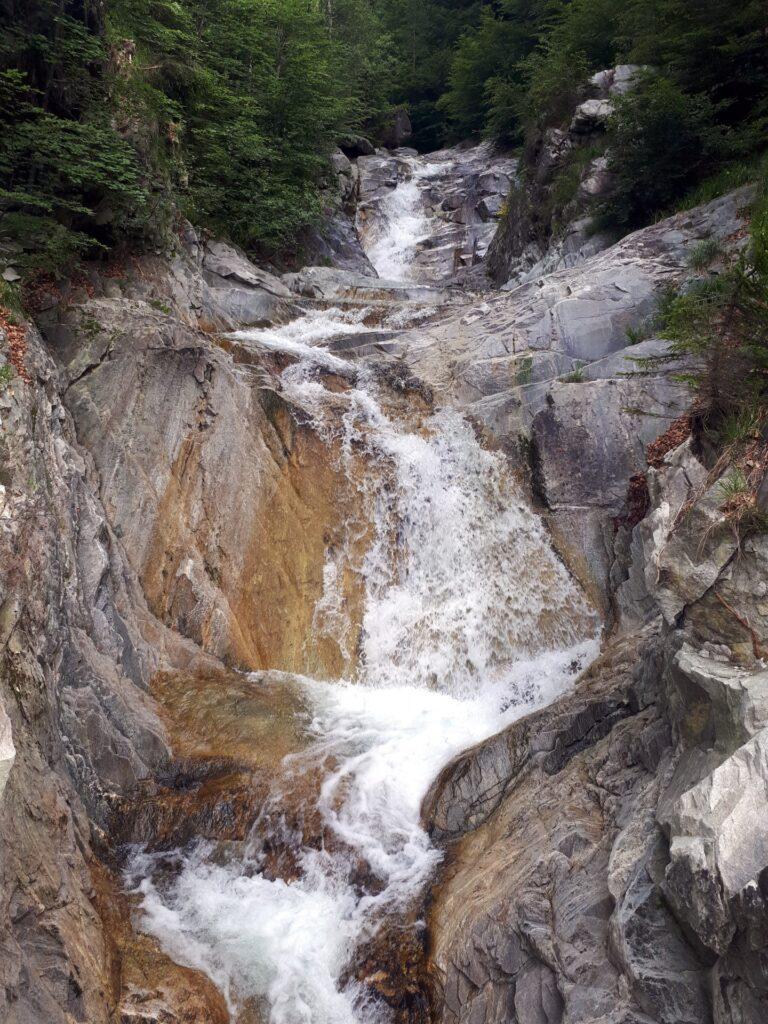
[(524, 371)]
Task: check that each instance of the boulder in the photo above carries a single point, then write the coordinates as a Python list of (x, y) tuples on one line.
[(231, 264), (397, 129), (494, 182), (667, 979), (341, 163), (597, 179), (334, 242), (734, 612), (719, 846), (624, 78), (244, 293), (591, 116), (356, 145), (714, 701), (490, 206)]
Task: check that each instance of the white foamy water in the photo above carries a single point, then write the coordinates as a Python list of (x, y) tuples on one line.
[(470, 621), (405, 224)]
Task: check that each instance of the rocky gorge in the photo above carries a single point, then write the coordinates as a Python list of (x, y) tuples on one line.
[(375, 640)]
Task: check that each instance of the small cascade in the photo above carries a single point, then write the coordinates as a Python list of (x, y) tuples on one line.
[(405, 223), (469, 622)]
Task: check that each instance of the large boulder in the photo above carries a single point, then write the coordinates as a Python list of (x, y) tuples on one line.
[(398, 129), (245, 293), (719, 849)]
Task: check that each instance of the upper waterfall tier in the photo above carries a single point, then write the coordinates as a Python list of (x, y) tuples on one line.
[(424, 218)]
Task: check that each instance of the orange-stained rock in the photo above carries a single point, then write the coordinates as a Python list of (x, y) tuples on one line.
[(147, 986)]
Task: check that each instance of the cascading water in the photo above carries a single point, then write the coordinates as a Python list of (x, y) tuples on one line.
[(470, 621), (405, 222)]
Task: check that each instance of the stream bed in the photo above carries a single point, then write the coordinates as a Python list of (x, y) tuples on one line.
[(469, 622)]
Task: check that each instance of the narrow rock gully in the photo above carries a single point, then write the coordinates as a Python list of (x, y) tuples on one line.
[(449, 614)]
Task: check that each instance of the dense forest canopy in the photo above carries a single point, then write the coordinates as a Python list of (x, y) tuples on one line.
[(120, 115)]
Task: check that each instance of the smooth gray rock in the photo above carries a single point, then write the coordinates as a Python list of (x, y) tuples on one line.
[(243, 293), (591, 437), (719, 844), (356, 145), (227, 262)]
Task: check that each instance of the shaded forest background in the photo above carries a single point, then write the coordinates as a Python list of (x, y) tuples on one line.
[(120, 116)]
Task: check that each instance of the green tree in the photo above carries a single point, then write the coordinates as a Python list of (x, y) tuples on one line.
[(660, 142)]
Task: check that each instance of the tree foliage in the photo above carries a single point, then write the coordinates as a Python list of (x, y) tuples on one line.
[(661, 142), (519, 66), (116, 115)]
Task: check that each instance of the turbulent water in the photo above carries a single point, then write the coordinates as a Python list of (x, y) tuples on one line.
[(405, 223), (469, 622)]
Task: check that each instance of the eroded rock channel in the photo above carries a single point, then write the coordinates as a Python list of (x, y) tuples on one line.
[(302, 646)]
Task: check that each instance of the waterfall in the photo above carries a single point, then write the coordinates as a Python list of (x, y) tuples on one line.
[(470, 621), (404, 222)]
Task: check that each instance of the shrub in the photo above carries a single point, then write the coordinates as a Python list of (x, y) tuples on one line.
[(524, 372), (704, 254), (660, 142), (723, 323)]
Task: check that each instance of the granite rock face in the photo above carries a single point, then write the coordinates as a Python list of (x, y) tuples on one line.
[(557, 323), (613, 847), (549, 907), (117, 562), (551, 362), (75, 659)]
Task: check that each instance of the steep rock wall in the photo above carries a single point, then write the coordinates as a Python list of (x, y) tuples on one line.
[(606, 856), (146, 467)]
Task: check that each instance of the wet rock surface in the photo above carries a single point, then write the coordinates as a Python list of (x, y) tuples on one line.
[(612, 846), (551, 364), (462, 192), (166, 515)]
